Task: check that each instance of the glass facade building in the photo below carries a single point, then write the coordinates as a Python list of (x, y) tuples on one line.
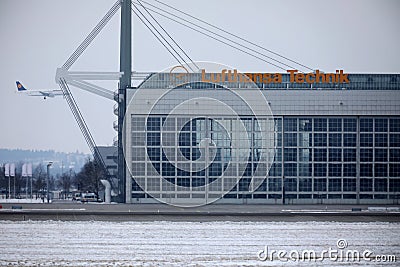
[(331, 144)]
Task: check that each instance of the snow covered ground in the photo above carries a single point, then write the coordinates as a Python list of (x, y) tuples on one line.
[(164, 243), (22, 200)]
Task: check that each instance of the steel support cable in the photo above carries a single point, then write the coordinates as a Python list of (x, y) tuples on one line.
[(158, 38), (219, 40), (219, 35), (171, 46), (229, 33), (92, 35), (81, 123), (83, 127), (183, 51), (85, 43), (162, 37), (78, 117), (71, 60)]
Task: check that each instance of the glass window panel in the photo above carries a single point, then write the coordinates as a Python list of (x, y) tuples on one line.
[(335, 154), (319, 169), (366, 170), (349, 154), (185, 182), (394, 170), (305, 139), (184, 139), (274, 184), (394, 155), (290, 124), (349, 184), (153, 124), (380, 170), (138, 138), (278, 140), (290, 169), (394, 140), (366, 155), (305, 124), (305, 184), (138, 123), (335, 170), (366, 125), (381, 125), (320, 124), (381, 140), (305, 154), (290, 139), (334, 185), (366, 140), (320, 154), (278, 154), (349, 170), (381, 154), (335, 139), (320, 139), (365, 185), (394, 185), (290, 184), (278, 124), (168, 169), (335, 125), (290, 154), (350, 125), (275, 170), (350, 140), (305, 169), (153, 153), (319, 184), (394, 125), (380, 185), (153, 139)]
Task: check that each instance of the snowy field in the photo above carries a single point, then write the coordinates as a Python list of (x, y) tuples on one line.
[(163, 243), (22, 200)]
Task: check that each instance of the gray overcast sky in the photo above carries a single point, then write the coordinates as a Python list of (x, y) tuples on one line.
[(38, 36)]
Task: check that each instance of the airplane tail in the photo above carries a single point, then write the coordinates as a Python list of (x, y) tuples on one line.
[(20, 87)]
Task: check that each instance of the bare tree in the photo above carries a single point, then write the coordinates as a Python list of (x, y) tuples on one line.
[(88, 179), (39, 175), (3, 181), (65, 183)]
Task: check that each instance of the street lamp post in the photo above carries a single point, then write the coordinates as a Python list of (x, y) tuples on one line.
[(47, 181)]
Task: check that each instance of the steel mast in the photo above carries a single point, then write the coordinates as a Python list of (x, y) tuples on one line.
[(124, 83)]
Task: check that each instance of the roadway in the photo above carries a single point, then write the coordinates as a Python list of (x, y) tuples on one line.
[(68, 210)]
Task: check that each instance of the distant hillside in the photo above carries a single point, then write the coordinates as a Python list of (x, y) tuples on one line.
[(62, 161)]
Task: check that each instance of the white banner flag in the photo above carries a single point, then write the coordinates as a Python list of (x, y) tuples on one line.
[(24, 173), (7, 169), (29, 170), (12, 169)]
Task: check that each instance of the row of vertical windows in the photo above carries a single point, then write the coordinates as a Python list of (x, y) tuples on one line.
[(339, 139), (339, 124), (338, 185), (338, 170), (338, 155)]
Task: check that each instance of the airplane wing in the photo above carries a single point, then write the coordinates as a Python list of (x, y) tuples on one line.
[(43, 93)]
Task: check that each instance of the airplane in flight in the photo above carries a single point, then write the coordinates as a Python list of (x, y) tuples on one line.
[(43, 93)]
